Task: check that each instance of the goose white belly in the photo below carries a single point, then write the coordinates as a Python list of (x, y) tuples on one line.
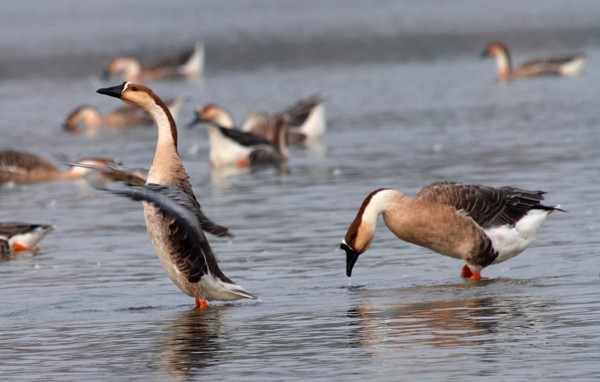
[(574, 67), (224, 151), (509, 241)]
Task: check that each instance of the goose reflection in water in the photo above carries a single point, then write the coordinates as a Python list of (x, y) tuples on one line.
[(458, 317), (191, 343)]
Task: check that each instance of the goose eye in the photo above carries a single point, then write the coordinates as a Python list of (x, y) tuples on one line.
[(134, 88)]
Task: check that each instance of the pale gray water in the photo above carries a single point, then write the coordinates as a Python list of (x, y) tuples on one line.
[(410, 102)]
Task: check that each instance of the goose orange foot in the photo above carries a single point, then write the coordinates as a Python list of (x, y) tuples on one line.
[(21, 247), (467, 273), (201, 304)]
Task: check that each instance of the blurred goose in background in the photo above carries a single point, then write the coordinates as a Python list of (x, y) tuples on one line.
[(24, 168), (478, 224), (233, 147), (88, 118), (115, 173), (306, 121), (561, 66), (17, 236), (189, 65), (173, 216)]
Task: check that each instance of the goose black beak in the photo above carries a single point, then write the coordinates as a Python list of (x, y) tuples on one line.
[(351, 257), (114, 91), (484, 54)]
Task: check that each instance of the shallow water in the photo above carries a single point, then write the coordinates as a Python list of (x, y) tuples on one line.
[(409, 103)]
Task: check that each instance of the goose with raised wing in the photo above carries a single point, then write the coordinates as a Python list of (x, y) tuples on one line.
[(478, 224), (25, 168), (173, 216), (88, 118), (232, 147), (306, 121), (189, 65), (19, 236), (558, 66)]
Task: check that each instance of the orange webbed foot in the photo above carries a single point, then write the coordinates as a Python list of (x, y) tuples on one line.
[(21, 247), (201, 304), (475, 276)]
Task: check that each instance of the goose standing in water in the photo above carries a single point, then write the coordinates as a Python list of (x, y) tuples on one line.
[(174, 220), (560, 66), (232, 147), (188, 65), (24, 168), (478, 224), (17, 236)]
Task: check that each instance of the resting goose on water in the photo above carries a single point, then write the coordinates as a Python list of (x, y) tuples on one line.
[(478, 224), (17, 236), (232, 147), (88, 118), (24, 168), (174, 220), (188, 64), (561, 66)]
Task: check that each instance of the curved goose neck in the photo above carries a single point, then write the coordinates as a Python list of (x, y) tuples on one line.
[(224, 118), (382, 201), (503, 62), (166, 167)]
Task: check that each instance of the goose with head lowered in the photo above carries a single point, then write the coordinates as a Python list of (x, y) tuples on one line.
[(173, 216), (557, 66), (478, 224)]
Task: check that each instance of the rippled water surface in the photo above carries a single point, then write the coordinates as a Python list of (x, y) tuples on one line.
[(409, 103)]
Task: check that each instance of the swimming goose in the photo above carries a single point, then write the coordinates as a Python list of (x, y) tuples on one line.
[(233, 147), (481, 225), (19, 236), (189, 64), (173, 216), (23, 168), (306, 121), (88, 118), (563, 66)]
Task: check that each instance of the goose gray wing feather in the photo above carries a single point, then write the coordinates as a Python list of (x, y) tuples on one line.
[(120, 173), (191, 251), (487, 206)]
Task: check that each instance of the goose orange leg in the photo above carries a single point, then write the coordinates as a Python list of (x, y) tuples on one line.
[(201, 304)]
